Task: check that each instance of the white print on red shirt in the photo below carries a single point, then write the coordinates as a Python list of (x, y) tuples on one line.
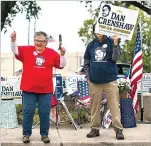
[(40, 60), (35, 53)]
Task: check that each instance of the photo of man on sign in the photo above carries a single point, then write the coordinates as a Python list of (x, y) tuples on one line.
[(106, 10)]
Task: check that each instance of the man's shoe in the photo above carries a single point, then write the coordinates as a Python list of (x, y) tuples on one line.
[(26, 139), (119, 133), (45, 139), (93, 133)]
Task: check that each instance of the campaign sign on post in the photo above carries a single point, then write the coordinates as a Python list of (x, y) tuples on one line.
[(58, 86), (71, 82), (114, 20), (146, 83)]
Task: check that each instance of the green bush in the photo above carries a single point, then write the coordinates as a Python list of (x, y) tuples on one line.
[(19, 114), (83, 115), (63, 116)]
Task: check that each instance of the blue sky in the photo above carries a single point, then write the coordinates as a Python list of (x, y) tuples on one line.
[(57, 17)]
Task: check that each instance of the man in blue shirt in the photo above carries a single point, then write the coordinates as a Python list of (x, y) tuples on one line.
[(101, 72)]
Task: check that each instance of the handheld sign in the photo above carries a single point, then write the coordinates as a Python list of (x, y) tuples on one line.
[(114, 20)]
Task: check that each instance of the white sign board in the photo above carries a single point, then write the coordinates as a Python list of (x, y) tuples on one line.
[(146, 83), (71, 82), (9, 90), (114, 20)]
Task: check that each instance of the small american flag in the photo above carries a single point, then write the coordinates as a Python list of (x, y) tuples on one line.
[(137, 69), (18, 73), (53, 44), (51, 39), (84, 93)]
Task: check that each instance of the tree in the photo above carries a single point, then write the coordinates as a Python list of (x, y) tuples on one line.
[(143, 5), (128, 47), (9, 9), (85, 33)]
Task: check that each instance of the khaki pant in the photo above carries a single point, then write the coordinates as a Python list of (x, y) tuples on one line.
[(112, 95)]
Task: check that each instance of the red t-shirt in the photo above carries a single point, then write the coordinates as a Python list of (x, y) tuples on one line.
[(37, 69)]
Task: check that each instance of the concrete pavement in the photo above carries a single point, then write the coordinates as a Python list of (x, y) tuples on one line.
[(67, 136)]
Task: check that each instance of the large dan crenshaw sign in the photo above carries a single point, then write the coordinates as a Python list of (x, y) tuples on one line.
[(115, 20)]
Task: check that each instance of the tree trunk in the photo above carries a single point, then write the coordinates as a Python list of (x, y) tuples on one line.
[(5, 10), (140, 6)]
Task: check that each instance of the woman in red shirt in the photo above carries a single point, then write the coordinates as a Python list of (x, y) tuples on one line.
[(36, 83)]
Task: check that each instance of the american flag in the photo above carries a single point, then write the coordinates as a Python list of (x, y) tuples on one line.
[(51, 39), (53, 44), (84, 93), (137, 69), (18, 73)]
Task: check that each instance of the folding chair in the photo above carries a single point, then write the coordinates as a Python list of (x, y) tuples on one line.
[(60, 99), (83, 102)]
